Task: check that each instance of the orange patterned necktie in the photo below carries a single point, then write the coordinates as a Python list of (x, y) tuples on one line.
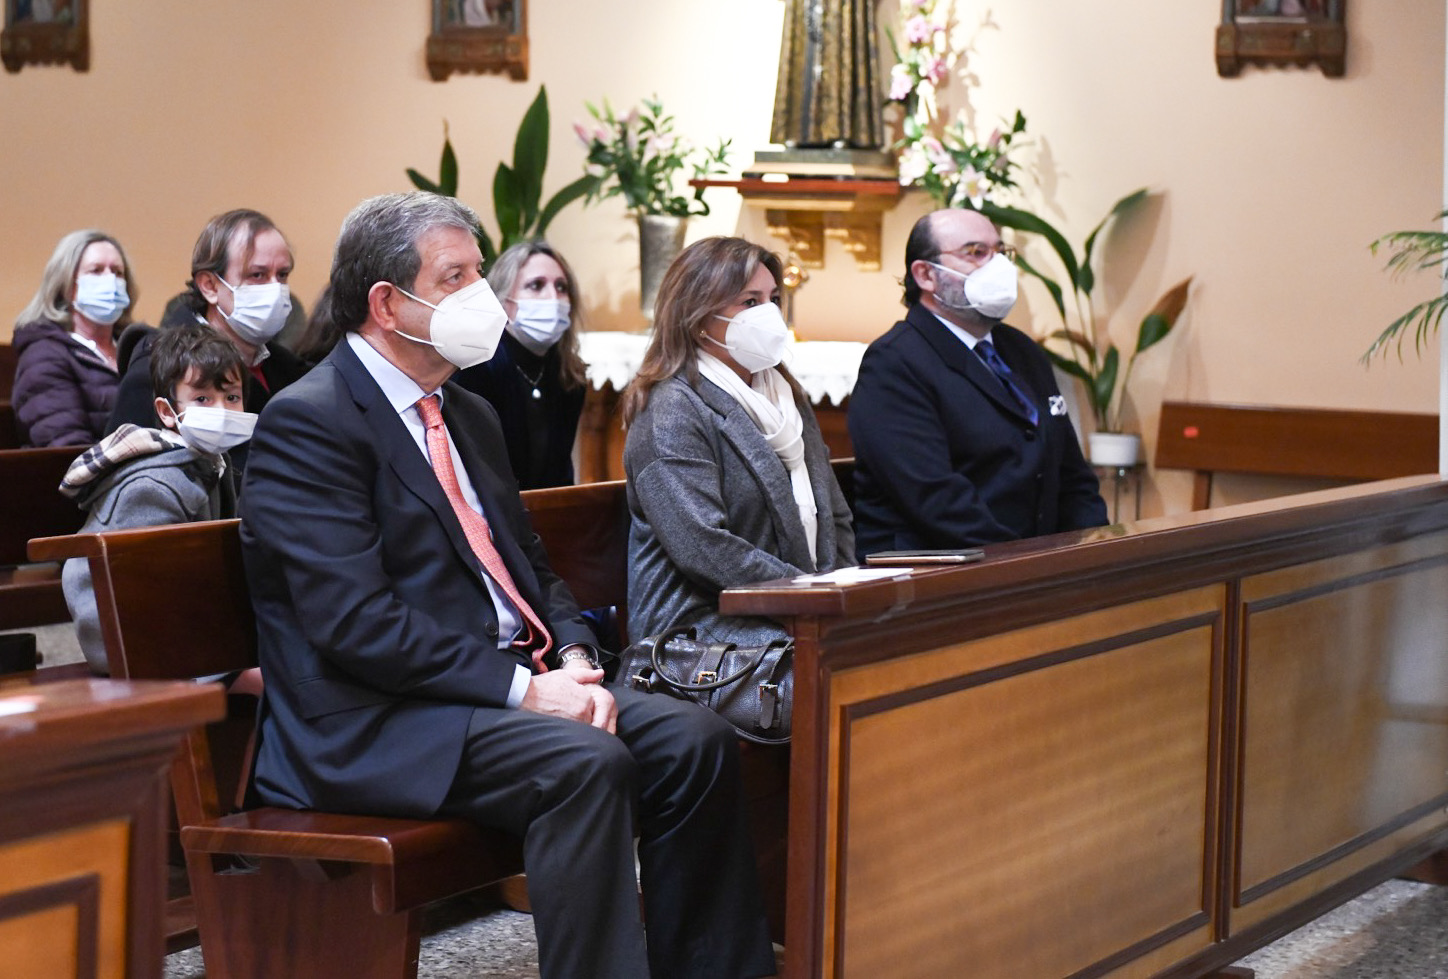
[(475, 527)]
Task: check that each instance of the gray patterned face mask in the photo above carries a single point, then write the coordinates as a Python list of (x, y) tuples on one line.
[(990, 290)]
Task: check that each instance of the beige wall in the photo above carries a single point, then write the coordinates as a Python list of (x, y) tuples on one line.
[(1273, 183)]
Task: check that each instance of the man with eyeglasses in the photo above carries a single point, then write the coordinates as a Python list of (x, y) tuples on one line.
[(961, 436)]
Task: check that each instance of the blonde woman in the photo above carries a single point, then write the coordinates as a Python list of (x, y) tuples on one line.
[(65, 342)]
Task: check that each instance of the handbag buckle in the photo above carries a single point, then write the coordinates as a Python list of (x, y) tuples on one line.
[(768, 705), (706, 676)]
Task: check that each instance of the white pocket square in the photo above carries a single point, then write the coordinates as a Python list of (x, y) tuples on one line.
[(1058, 404)]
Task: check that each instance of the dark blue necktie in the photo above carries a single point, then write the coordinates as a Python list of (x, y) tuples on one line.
[(998, 367)]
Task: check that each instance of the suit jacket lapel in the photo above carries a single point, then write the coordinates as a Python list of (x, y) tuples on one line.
[(400, 450), (964, 361), (492, 491), (741, 432)]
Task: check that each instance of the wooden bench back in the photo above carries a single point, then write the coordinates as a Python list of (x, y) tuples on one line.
[(9, 430), (31, 506), (30, 499), (172, 601), (1311, 442), (584, 529)]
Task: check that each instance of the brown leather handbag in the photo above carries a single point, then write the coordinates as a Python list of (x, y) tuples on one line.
[(751, 687)]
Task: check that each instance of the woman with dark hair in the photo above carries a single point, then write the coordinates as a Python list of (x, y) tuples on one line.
[(729, 481), (536, 380), (239, 271), (65, 342)]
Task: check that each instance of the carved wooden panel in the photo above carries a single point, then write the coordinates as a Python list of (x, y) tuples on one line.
[(1345, 719), (994, 785), (63, 903)]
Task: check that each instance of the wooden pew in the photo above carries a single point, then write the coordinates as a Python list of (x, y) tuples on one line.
[(7, 371), (315, 881), (32, 506), (1140, 750), (9, 434), (278, 892), (1309, 442)]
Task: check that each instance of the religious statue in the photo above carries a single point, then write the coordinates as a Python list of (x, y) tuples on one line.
[(829, 92)]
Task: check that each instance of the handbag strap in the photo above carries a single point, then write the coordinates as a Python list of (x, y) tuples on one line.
[(663, 638)]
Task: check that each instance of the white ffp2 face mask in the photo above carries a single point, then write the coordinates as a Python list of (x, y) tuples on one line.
[(756, 337), (990, 290), (211, 431), (259, 311), (466, 326), (539, 323), (100, 297)]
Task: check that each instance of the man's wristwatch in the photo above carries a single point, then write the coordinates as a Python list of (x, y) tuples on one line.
[(577, 652)]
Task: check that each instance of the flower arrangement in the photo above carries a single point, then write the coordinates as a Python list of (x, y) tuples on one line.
[(945, 160), (640, 158)]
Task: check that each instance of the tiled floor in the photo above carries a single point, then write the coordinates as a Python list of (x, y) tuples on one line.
[(1397, 931)]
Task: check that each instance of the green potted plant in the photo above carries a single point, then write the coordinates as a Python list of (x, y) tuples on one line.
[(517, 189), (1090, 353), (640, 158), (1413, 251)]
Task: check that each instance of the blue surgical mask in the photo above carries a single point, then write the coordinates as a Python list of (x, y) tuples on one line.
[(100, 297)]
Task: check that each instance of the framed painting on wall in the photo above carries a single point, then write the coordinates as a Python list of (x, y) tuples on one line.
[(478, 36), (1282, 32), (38, 32)]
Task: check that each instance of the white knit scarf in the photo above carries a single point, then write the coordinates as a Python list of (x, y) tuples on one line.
[(769, 401)]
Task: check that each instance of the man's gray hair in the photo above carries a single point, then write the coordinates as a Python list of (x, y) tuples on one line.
[(378, 243)]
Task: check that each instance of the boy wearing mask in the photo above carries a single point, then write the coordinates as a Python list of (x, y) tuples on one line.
[(147, 477)]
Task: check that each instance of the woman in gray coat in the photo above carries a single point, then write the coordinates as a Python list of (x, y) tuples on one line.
[(729, 482)]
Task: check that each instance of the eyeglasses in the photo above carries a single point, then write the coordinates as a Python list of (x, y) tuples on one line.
[(980, 251)]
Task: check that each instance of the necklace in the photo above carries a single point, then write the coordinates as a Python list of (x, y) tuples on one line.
[(532, 381)]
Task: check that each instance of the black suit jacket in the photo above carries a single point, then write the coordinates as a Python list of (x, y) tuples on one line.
[(376, 633), (945, 457)]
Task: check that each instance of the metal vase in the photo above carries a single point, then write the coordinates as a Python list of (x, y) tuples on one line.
[(661, 238)]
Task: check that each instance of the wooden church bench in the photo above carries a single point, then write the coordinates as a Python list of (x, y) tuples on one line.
[(323, 894), (31, 506), (1309, 442)]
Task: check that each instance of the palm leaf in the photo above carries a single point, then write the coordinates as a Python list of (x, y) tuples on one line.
[(1010, 217), (1070, 367), (530, 159), (1076, 339), (447, 168), (505, 205), (1052, 286), (1413, 251), (1424, 318), (1163, 316), (1087, 280), (421, 182), (561, 200), (1103, 386)]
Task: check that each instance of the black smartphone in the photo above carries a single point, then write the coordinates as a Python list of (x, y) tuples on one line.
[(949, 555)]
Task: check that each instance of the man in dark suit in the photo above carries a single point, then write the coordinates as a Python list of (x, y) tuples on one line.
[(421, 658), (961, 436)]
